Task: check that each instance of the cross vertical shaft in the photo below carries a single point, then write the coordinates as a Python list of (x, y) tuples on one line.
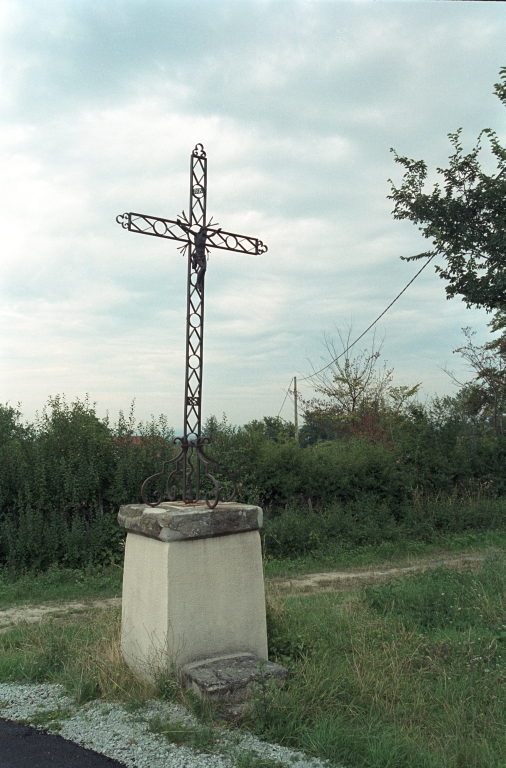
[(195, 300), (192, 431)]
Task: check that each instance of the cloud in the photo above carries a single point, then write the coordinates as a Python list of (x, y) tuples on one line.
[(297, 105)]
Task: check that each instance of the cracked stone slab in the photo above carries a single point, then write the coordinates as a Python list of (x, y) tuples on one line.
[(175, 521), (228, 677)]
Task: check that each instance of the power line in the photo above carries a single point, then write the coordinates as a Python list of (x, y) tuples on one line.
[(305, 378), (315, 373), (286, 395), (289, 394)]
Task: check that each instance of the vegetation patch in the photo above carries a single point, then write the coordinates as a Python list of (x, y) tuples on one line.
[(251, 760), (203, 739), (390, 675), (82, 652), (50, 720), (58, 584)]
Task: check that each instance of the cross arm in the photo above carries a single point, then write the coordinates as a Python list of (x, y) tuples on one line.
[(152, 225), (229, 241)]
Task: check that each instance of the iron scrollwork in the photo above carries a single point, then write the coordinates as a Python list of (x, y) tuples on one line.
[(199, 151), (124, 220), (190, 459)]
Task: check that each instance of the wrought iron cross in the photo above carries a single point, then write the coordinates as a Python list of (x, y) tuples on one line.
[(197, 236)]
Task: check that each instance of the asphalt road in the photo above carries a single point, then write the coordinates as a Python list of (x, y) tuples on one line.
[(24, 747)]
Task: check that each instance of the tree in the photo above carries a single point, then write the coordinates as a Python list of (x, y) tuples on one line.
[(465, 219), (271, 428), (358, 394), (484, 398)]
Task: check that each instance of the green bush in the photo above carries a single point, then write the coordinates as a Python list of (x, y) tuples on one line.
[(296, 532), (63, 478)]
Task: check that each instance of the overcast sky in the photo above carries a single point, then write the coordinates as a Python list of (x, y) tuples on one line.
[(297, 105)]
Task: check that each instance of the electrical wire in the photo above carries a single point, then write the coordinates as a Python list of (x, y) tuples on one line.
[(286, 395), (289, 393), (315, 373)]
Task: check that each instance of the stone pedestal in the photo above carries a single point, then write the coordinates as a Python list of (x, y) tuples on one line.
[(193, 588)]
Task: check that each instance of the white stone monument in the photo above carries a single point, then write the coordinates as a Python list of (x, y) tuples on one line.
[(193, 595)]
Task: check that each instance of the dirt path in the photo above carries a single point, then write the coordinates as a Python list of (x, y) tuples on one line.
[(11, 616), (331, 581)]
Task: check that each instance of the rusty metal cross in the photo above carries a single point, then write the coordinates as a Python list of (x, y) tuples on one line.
[(197, 236)]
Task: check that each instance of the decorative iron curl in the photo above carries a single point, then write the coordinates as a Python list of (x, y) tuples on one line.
[(123, 219), (169, 492), (199, 151), (185, 457), (261, 248), (206, 460)]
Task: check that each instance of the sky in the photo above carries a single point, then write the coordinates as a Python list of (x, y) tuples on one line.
[(297, 105)]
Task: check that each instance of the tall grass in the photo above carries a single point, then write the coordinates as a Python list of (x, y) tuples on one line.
[(82, 654), (402, 675)]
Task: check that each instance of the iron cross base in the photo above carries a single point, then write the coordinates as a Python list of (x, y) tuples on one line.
[(191, 460)]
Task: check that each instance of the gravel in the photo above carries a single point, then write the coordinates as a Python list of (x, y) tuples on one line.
[(117, 732)]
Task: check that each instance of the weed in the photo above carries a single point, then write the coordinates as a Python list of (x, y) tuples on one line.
[(168, 685), (201, 706), (204, 739), (262, 699), (251, 760), (49, 720), (285, 645)]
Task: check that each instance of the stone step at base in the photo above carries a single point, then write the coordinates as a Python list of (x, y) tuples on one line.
[(228, 678)]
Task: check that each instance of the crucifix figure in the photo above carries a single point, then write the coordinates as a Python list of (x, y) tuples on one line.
[(197, 237)]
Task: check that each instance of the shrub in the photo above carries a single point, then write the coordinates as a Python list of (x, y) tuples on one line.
[(63, 478)]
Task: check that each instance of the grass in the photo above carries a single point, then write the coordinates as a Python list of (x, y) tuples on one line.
[(385, 553), (49, 720), (59, 584), (409, 674), (82, 652), (251, 760), (204, 739)]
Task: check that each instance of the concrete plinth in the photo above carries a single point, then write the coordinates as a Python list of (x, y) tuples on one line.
[(193, 585)]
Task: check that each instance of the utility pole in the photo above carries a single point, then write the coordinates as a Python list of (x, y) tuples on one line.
[(295, 413)]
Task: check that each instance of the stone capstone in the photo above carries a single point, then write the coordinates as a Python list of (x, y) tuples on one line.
[(229, 678), (173, 521)]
